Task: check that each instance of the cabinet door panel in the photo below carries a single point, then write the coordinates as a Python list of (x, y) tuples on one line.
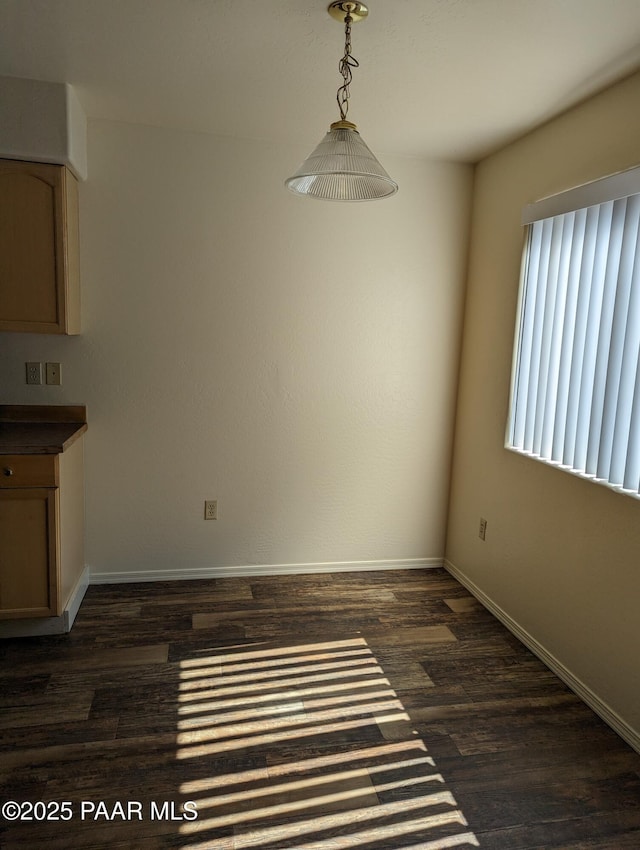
[(27, 553), (39, 257), (28, 256)]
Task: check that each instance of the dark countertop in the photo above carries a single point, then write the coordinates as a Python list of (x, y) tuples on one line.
[(40, 429)]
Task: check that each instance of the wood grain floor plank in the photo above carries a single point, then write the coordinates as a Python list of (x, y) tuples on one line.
[(463, 604), (414, 637), (362, 711)]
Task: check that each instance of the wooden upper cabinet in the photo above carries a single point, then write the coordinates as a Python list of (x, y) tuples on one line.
[(39, 253)]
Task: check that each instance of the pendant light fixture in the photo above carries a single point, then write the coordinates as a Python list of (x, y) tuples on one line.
[(342, 168)]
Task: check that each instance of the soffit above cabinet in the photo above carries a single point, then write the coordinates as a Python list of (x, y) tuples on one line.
[(43, 122)]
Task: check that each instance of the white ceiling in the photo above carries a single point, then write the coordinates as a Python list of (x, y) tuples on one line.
[(437, 78)]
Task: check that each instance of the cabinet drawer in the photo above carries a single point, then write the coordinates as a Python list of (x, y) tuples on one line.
[(28, 471)]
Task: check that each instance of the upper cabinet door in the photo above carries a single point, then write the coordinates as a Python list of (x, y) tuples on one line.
[(39, 274)]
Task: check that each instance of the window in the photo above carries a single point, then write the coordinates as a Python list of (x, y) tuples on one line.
[(575, 394)]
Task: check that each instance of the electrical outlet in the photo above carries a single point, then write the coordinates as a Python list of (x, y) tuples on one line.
[(482, 533), (34, 373), (211, 509), (53, 374)]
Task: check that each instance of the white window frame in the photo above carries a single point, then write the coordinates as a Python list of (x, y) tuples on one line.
[(578, 331)]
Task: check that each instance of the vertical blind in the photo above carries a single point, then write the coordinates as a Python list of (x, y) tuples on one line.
[(575, 396)]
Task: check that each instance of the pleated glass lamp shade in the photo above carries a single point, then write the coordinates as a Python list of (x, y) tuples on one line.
[(342, 168)]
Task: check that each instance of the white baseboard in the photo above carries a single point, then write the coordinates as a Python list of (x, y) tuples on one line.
[(263, 570), (42, 626), (610, 717), (75, 600)]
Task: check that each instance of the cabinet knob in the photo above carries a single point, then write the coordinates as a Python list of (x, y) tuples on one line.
[(7, 471)]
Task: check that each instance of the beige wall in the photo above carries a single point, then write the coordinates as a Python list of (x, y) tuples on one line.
[(293, 359), (562, 555)]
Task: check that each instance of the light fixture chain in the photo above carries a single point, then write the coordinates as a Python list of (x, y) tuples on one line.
[(346, 64)]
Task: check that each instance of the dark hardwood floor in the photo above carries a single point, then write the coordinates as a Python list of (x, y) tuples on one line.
[(361, 711)]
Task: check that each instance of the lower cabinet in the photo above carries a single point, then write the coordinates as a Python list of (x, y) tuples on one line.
[(28, 553), (41, 532)]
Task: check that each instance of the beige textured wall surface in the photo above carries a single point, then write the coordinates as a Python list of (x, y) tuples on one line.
[(293, 359), (562, 555)]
